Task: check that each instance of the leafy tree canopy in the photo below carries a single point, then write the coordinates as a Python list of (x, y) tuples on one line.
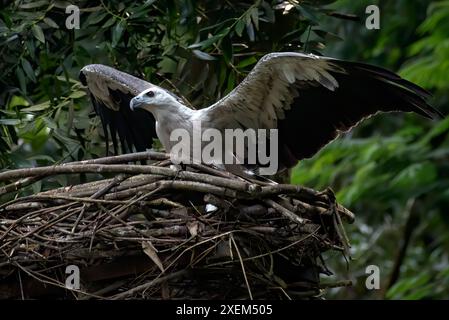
[(392, 171)]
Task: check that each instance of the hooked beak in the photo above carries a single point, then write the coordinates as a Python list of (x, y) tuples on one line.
[(136, 102)]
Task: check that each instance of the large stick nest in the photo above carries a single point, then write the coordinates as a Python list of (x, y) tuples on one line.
[(161, 231)]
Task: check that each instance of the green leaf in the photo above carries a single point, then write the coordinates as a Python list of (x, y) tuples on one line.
[(50, 123), (37, 186), (31, 47), (109, 22), (227, 49), (64, 79), (223, 74), (63, 104), (420, 293), (70, 118), (97, 17), (231, 82), (250, 31), (38, 33), (37, 107), (62, 4), (41, 157), (117, 32), (34, 4), (21, 76), (246, 62), (51, 23), (308, 13), (167, 65), (407, 285), (240, 25), (206, 43), (17, 101), (10, 122), (203, 55), (77, 94), (415, 175), (327, 35), (28, 69), (255, 17), (269, 12)]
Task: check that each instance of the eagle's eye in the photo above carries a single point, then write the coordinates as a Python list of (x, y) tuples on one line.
[(150, 94)]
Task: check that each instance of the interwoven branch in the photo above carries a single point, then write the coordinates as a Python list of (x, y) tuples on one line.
[(161, 222)]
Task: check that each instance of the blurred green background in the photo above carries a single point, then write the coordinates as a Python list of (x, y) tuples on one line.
[(392, 171)]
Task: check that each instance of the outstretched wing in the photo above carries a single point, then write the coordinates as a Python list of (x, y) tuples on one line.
[(311, 100), (111, 91)]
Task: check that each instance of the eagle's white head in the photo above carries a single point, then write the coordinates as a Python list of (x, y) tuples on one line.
[(153, 99)]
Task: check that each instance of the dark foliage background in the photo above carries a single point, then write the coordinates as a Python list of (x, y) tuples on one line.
[(392, 171)]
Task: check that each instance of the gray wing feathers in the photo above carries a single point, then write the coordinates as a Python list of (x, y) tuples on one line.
[(100, 79), (312, 99), (268, 91), (111, 92)]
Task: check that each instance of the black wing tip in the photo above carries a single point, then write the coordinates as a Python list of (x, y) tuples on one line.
[(419, 104), (420, 95), (433, 113), (427, 111), (415, 92)]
